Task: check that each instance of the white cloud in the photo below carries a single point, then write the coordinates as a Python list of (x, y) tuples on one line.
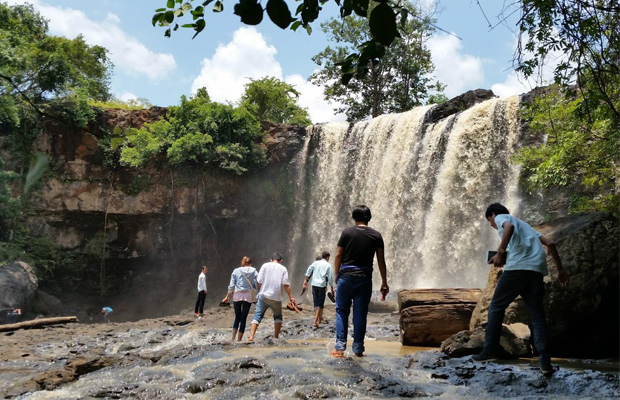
[(460, 72), (515, 83), (312, 98), (127, 96), (126, 52), (249, 56)]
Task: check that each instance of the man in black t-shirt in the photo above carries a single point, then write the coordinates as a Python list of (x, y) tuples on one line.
[(353, 270)]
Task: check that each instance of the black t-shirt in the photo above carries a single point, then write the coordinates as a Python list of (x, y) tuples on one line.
[(360, 244)]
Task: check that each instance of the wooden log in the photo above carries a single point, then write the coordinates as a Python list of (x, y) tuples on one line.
[(429, 325), (429, 316), (37, 323), (417, 297)]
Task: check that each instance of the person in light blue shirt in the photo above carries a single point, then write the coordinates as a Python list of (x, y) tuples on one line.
[(522, 254), (322, 275), (106, 311)]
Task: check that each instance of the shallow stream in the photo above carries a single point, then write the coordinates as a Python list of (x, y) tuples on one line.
[(182, 358)]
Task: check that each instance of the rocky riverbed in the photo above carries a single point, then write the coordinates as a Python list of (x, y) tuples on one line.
[(181, 357)]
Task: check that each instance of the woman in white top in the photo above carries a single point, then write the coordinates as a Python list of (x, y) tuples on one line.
[(244, 286)]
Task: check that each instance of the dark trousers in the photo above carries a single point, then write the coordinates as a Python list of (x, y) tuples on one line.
[(242, 309), (356, 290), (200, 303), (529, 285)]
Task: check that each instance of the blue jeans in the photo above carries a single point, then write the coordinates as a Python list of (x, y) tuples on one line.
[(530, 285), (356, 290), (262, 305)]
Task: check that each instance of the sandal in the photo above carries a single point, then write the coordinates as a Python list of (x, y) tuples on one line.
[(337, 353)]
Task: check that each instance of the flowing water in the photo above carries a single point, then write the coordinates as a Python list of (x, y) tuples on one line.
[(427, 186)]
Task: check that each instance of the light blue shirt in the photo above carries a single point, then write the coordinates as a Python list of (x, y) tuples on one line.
[(242, 278), (525, 251), (322, 273), (107, 310)]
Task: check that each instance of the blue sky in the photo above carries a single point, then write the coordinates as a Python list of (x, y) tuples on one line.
[(227, 53)]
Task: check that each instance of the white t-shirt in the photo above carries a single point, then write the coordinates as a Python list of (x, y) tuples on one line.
[(202, 282), (525, 251), (272, 276)]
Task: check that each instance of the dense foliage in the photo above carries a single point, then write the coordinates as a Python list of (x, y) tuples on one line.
[(581, 116), (270, 99), (43, 79), (398, 83), (201, 133)]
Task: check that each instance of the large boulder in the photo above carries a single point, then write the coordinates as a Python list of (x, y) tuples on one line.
[(429, 316), (583, 319), (46, 304), (18, 285)]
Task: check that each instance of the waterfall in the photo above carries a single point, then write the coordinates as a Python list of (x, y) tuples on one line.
[(427, 185)]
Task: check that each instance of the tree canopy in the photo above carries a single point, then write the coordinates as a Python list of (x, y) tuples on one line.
[(273, 100), (198, 132), (398, 83)]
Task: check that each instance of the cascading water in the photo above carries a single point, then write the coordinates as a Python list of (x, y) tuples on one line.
[(427, 185)]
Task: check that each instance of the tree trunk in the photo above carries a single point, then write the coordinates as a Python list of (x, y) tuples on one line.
[(37, 323)]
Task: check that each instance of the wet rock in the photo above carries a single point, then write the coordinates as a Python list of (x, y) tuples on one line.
[(584, 321), (458, 104), (468, 342), (314, 392), (18, 286), (46, 304)]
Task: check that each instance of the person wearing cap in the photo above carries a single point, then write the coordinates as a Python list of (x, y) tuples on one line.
[(272, 279)]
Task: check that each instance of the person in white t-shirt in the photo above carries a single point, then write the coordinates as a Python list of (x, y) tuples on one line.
[(272, 278), (202, 292)]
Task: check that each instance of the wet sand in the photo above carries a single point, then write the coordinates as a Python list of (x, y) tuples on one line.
[(181, 357)]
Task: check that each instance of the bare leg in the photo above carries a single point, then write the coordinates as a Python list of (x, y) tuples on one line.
[(234, 334), (240, 336), (317, 317), (252, 332), (320, 315), (276, 326)]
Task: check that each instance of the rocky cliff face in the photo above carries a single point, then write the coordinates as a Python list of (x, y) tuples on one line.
[(156, 227)]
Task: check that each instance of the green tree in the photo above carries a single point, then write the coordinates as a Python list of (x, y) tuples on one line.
[(397, 82), (580, 116), (270, 99), (198, 133), (45, 77)]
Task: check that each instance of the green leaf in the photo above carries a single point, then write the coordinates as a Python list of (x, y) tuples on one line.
[(169, 16), (188, 26), (117, 130), (160, 10), (383, 24), (199, 26), (250, 11), (167, 33), (218, 6), (170, 4), (186, 7), (310, 12), (157, 18), (37, 168), (279, 13), (296, 25), (116, 142)]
